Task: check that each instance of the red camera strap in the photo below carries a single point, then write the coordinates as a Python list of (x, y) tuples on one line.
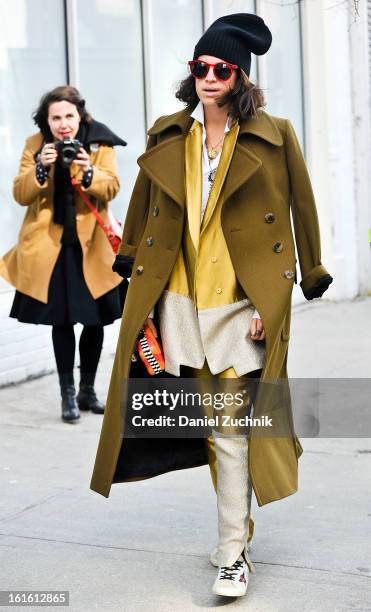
[(96, 214)]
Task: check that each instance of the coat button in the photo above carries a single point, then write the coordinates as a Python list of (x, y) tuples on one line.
[(140, 270), (214, 259), (269, 217), (289, 274), (155, 211), (149, 241), (277, 247), (88, 243), (219, 290)]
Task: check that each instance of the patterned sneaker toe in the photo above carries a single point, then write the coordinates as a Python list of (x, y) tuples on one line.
[(232, 581)]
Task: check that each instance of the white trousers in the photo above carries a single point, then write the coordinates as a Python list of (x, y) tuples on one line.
[(234, 488), (234, 492)]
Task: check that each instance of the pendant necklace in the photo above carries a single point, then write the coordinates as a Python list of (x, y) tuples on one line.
[(212, 151)]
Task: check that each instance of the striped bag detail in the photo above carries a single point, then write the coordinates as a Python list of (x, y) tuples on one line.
[(150, 351)]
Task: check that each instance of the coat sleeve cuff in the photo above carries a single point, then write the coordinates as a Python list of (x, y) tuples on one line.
[(123, 265), (128, 250), (316, 282)]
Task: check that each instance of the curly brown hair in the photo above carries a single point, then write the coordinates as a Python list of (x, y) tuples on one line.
[(244, 100), (59, 94)]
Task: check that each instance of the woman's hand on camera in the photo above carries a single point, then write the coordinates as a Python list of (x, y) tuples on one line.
[(83, 160), (48, 155), (257, 331)]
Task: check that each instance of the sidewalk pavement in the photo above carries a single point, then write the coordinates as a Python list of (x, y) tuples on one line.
[(146, 547)]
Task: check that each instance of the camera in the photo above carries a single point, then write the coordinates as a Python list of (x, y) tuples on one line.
[(67, 150)]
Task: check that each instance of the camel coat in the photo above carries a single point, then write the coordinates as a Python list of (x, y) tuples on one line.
[(267, 178), (28, 266)]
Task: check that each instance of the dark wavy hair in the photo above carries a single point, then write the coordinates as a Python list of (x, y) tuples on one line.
[(244, 100), (59, 94)]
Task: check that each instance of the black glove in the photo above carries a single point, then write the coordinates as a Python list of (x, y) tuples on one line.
[(319, 288), (123, 265)]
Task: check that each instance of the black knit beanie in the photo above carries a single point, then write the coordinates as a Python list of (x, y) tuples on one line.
[(233, 38)]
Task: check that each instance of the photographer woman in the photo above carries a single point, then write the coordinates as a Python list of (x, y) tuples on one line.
[(207, 240), (62, 264)]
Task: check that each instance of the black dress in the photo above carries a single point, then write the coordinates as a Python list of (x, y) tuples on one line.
[(69, 299)]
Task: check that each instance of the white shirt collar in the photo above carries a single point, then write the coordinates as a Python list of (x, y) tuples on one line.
[(199, 115)]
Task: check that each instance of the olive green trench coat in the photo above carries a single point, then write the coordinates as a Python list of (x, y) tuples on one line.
[(267, 177)]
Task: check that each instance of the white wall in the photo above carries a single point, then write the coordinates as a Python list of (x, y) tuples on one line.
[(26, 350), (361, 101), (338, 143)]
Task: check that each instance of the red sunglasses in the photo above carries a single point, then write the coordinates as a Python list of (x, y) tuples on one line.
[(222, 70)]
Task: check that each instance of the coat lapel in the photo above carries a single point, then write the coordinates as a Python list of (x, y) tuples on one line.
[(164, 163), (244, 162), (243, 166)]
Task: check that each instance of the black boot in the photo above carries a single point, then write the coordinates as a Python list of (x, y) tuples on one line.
[(70, 409), (87, 398)]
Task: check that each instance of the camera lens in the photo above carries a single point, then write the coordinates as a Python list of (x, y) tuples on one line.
[(68, 151)]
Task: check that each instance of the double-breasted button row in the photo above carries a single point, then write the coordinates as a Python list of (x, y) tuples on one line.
[(139, 270), (149, 241), (155, 211), (270, 218), (289, 274)]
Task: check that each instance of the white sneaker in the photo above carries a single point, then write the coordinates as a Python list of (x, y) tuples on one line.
[(232, 581)]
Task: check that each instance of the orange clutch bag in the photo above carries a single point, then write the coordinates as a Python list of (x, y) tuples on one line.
[(150, 351)]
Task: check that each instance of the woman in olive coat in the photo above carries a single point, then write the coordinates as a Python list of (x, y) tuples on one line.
[(61, 265), (238, 247)]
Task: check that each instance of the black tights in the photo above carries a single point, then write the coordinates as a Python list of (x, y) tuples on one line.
[(90, 347)]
